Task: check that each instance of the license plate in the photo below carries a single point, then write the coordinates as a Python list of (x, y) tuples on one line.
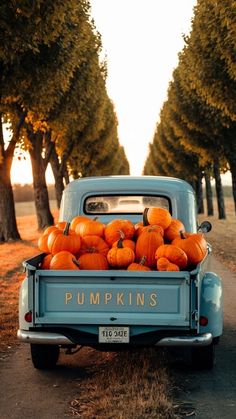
[(113, 334)]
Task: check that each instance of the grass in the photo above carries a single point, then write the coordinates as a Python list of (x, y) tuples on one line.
[(11, 276), (127, 385)]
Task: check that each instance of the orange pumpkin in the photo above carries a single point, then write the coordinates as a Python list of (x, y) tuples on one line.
[(113, 228), (93, 244), (77, 220), (139, 266), (60, 240), (49, 229), (91, 227), (120, 256), (138, 228), (43, 239), (95, 261), (163, 264), (156, 228), (126, 242), (173, 253), (194, 245), (64, 260), (46, 262), (43, 243), (158, 216), (61, 225), (173, 231), (147, 244)]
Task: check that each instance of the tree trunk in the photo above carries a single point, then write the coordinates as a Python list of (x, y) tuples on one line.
[(66, 175), (219, 191), (41, 198), (8, 226), (209, 198), (199, 193), (232, 164), (59, 185)]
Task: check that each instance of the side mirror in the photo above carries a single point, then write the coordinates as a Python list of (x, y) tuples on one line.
[(205, 227)]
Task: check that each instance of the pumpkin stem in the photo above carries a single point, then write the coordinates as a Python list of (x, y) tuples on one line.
[(122, 234), (75, 261), (91, 249), (145, 220), (182, 234), (120, 243), (142, 260), (66, 229)]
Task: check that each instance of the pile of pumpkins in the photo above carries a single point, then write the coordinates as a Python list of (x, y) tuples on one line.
[(159, 242)]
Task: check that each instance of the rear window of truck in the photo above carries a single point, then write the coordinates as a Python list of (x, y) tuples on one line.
[(120, 204)]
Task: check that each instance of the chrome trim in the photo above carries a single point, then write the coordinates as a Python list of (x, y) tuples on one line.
[(43, 338), (198, 340), (58, 339)]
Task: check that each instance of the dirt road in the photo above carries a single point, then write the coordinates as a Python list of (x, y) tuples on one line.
[(28, 393), (212, 395)]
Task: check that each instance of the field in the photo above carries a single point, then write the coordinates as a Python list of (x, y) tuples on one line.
[(105, 392), (223, 235)]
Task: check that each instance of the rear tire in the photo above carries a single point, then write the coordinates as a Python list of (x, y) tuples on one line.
[(203, 358), (44, 356)]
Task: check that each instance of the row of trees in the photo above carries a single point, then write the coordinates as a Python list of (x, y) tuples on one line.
[(195, 136), (53, 97)]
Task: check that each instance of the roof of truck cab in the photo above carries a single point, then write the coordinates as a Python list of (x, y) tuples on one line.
[(125, 182)]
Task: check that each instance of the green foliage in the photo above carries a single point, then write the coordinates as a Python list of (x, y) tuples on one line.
[(211, 54), (102, 155)]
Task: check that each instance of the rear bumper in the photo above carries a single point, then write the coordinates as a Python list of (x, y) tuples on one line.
[(49, 338)]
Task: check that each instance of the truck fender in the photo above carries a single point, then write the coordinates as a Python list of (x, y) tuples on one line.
[(24, 305), (211, 304)]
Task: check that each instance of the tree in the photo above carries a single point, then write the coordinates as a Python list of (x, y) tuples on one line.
[(30, 32), (210, 67), (197, 125), (211, 50), (104, 155)]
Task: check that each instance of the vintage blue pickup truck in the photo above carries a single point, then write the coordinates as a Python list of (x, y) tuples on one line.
[(113, 309)]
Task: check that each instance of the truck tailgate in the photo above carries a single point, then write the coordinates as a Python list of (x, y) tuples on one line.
[(112, 297)]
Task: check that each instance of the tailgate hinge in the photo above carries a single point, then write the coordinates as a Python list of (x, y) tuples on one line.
[(195, 315), (196, 282)]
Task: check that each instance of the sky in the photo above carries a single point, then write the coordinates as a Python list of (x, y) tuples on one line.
[(141, 40)]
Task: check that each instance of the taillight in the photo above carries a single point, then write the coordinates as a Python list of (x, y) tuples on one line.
[(203, 321), (28, 316)]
